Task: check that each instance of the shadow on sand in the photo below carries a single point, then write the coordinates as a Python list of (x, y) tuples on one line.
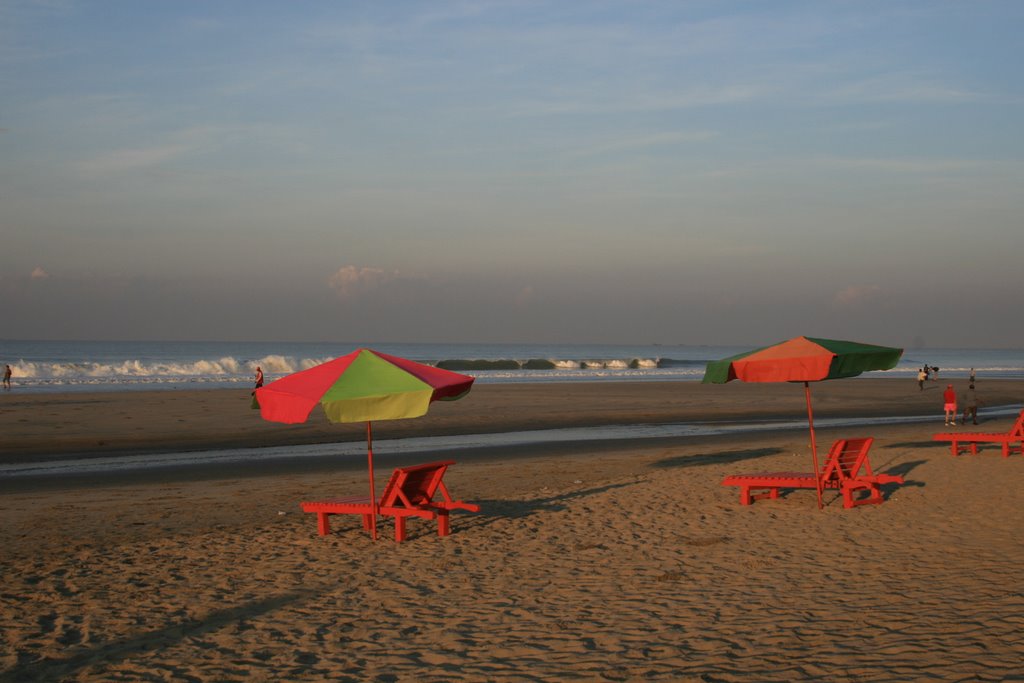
[(492, 511), (30, 668), (918, 444), (904, 469), (722, 458)]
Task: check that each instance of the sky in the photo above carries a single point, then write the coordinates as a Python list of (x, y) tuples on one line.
[(670, 172)]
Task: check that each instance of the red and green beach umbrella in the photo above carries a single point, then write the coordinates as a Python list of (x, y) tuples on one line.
[(363, 386), (803, 359)]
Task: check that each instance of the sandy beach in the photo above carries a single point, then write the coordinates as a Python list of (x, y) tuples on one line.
[(613, 561)]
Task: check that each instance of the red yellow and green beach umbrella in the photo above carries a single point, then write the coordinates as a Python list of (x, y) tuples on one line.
[(363, 386), (803, 359)]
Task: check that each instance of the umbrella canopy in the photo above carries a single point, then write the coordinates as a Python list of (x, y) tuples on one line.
[(363, 386), (803, 359)]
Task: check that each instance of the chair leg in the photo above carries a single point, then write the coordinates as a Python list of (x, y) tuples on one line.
[(874, 496), (399, 528), (443, 527), (769, 492), (323, 525), (744, 495)]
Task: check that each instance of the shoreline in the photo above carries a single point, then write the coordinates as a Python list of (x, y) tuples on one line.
[(139, 422), (248, 463), (89, 440), (83, 425), (55, 426)]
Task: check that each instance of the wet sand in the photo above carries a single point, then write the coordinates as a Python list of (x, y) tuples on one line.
[(48, 426), (587, 561)]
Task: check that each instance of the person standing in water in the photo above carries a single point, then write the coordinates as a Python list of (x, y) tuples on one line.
[(7, 377)]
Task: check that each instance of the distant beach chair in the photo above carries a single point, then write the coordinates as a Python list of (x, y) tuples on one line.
[(846, 469), (972, 439), (409, 493)]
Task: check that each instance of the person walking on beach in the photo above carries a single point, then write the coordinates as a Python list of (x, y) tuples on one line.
[(970, 405), (921, 377), (949, 402), (7, 377), (971, 378), (259, 379)]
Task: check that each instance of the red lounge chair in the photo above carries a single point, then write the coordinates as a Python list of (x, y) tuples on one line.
[(409, 493), (847, 469), (972, 439)]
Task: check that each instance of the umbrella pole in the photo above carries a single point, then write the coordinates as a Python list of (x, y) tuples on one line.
[(373, 490), (814, 445)]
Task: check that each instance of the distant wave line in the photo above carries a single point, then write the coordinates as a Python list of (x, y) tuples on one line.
[(225, 368), (481, 364)]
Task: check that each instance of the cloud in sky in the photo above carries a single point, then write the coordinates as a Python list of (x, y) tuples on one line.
[(857, 295), (132, 159), (901, 87), (503, 170), (353, 282), (172, 145), (39, 274), (650, 141)]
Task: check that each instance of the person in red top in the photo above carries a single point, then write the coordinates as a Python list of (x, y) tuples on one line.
[(949, 399)]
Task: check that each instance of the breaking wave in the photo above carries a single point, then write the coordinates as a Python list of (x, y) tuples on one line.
[(470, 365), (231, 371), (220, 370)]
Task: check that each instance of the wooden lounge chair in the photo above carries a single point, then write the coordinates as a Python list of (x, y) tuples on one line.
[(972, 439), (847, 469), (409, 493)]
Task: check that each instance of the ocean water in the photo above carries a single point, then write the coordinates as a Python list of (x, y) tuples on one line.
[(41, 366)]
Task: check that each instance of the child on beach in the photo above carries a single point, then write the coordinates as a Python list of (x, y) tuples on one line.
[(949, 401)]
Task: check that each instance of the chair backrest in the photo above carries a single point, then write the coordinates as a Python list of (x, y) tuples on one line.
[(414, 485), (390, 489), (1017, 431), (847, 458)]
